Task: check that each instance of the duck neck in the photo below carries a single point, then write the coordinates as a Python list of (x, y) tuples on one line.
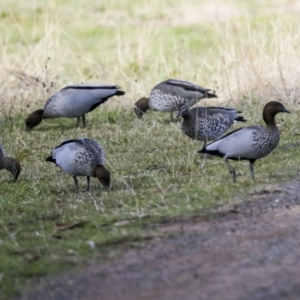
[(186, 115), (103, 175), (272, 126), (269, 120), (2, 163), (144, 105), (40, 112)]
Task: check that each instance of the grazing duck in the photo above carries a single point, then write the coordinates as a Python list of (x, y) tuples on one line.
[(168, 95), (10, 164), (73, 101), (207, 123), (81, 157), (249, 143)]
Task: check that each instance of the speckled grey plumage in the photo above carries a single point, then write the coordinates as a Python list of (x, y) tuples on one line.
[(168, 95), (254, 142), (73, 101), (249, 143), (78, 157), (81, 157), (77, 100), (99, 152), (207, 123)]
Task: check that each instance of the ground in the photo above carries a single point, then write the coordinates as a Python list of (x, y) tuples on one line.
[(243, 251), (173, 223)]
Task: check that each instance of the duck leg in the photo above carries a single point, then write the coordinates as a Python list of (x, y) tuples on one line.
[(231, 169), (88, 183), (251, 166), (83, 121), (76, 182), (78, 121), (171, 116)]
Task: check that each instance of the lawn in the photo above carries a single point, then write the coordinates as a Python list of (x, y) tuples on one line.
[(248, 53)]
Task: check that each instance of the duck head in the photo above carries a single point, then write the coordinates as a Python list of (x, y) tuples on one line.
[(12, 165), (270, 110), (141, 106), (34, 119), (183, 111), (103, 176)]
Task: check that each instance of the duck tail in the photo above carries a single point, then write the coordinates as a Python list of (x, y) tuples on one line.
[(50, 158), (119, 93), (240, 119), (203, 150), (211, 95), (211, 152), (212, 149)]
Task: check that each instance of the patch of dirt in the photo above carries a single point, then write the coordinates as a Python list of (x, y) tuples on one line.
[(246, 251)]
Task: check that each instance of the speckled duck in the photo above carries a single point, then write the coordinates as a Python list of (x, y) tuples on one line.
[(168, 95), (207, 123), (249, 143), (73, 101), (81, 157)]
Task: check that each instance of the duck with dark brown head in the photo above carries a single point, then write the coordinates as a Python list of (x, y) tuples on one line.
[(11, 164), (81, 157), (168, 95), (73, 101), (249, 143)]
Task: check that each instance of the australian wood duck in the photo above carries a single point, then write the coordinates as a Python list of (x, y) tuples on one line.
[(10, 164), (207, 123), (73, 101), (168, 95), (249, 143), (81, 157)]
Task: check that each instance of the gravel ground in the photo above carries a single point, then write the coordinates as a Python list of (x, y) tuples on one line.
[(246, 251)]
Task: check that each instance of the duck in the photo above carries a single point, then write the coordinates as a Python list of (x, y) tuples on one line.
[(207, 123), (249, 143), (73, 101), (169, 94), (11, 164), (81, 157)]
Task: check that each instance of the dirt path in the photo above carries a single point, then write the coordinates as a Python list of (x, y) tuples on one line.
[(247, 251)]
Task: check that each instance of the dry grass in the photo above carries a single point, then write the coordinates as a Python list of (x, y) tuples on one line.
[(245, 51)]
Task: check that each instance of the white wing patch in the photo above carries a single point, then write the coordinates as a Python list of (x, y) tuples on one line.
[(65, 157)]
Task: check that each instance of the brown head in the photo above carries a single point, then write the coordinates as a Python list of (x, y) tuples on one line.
[(141, 106), (103, 175), (183, 111), (12, 165), (271, 109), (34, 119)]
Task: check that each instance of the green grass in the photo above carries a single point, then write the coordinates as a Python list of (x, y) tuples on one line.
[(248, 57), (156, 173)]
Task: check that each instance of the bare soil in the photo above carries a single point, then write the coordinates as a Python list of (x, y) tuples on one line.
[(246, 251)]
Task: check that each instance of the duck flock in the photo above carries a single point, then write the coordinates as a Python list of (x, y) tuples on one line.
[(85, 157)]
